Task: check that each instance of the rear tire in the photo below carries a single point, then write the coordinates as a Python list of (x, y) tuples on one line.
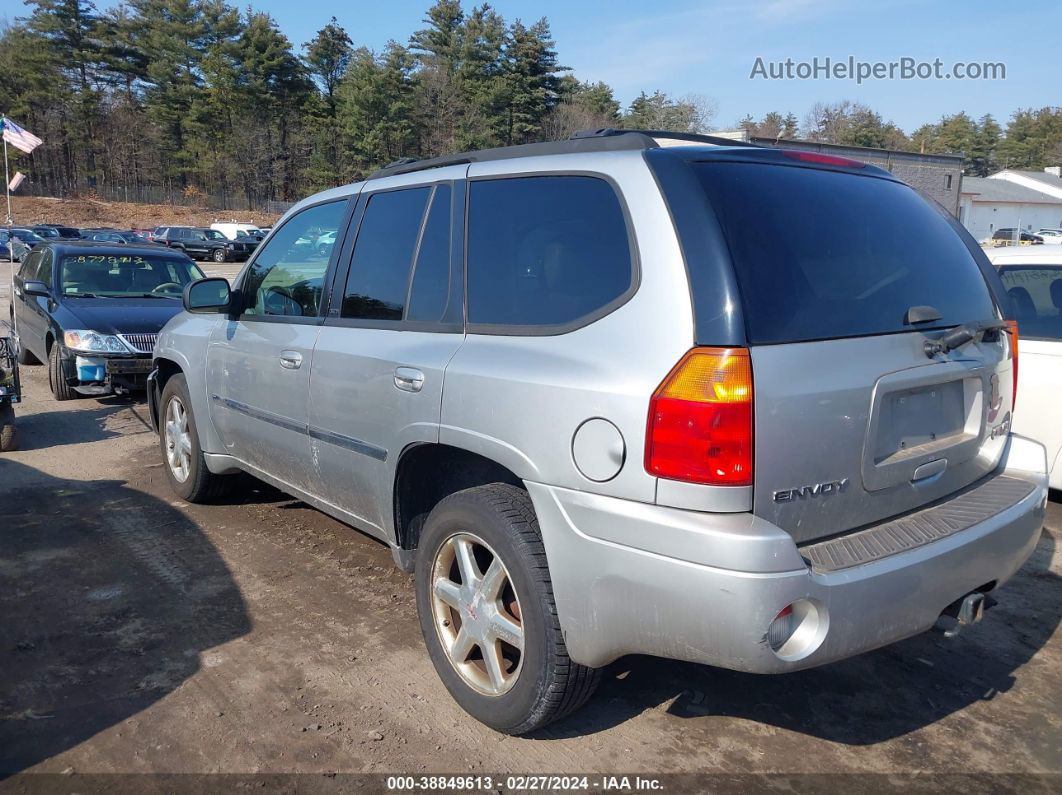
[(182, 456), (61, 390), (8, 431), (533, 681)]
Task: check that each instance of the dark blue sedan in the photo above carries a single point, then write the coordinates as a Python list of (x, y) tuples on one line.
[(92, 311)]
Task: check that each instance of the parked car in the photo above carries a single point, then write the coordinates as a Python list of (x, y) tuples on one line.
[(16, 242), (1009, 237), (92, 311), (203, 243), (232, 230), (1050, 235), (119, 237), (57, 232), (597, 411), (1033, 278)]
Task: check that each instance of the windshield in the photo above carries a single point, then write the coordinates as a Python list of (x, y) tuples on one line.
[(25, 235), (1035, 293), (847, 255), (118, 275), (214, 234)]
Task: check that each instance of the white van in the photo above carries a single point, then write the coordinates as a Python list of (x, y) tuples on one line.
[(230, 229)]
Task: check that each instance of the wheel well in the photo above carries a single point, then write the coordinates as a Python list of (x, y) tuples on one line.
[(167, 368), (49, 340), (429, 472)]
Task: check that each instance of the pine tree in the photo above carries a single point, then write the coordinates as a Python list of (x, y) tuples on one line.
[(327, 58)]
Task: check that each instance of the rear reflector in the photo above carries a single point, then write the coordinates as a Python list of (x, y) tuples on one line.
[(700, 420), (1012, 335), (826, 160)]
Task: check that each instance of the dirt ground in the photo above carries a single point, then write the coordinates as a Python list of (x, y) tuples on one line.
[(142, 634), (28, 210)]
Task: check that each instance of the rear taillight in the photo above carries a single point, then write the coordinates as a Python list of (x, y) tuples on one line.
[(1012, 335), (700, 420)]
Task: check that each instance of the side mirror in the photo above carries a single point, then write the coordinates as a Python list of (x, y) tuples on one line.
[(207, 295), (36, 288)]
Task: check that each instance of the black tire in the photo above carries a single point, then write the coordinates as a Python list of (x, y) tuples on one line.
[(8, 431), (200, 484), (61, 390), (218, 255), (548, 685)]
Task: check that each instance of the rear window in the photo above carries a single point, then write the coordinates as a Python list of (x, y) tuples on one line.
[(1035, 293), (820, 254)]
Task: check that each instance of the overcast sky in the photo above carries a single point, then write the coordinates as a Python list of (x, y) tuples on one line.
[(710, 48)]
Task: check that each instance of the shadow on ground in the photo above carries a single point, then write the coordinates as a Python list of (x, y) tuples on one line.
[(109, 598), (862, 701), (85, 420)]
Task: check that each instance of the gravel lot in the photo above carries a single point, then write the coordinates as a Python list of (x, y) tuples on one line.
[(143, 634)]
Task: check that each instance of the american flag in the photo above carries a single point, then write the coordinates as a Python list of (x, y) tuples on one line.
[(19, 138)]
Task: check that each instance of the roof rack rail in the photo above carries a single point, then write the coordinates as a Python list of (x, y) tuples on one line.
[(625, 142), (693, 138)]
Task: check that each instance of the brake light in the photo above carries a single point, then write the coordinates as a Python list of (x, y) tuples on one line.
[(700, 420), (1012, 335), (826, 160)]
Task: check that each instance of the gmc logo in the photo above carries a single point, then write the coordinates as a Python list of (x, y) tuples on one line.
[(814, 490)]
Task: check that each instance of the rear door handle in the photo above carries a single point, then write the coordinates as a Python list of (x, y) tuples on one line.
[(290, 360), (409, 379)]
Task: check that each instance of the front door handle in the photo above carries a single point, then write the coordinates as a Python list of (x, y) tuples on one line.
[(290, 360), (409, 379)]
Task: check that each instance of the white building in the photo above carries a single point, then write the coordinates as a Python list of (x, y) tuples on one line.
[(1011, 199)]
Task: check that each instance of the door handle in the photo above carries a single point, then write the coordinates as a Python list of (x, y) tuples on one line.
[(409, 379), (290, 360)]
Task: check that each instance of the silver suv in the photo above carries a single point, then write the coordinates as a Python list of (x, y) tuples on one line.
[(736, 405)]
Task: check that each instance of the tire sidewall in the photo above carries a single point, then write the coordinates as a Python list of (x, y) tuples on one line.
[(177, 386), (218, 255), (460, 513), (56, 378)]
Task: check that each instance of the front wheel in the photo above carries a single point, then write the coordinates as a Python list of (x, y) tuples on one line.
[(487, 612), (218, 255), (186, 467), (61, 390)]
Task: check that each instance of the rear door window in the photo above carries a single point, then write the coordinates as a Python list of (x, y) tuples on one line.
[(430, 288), (1035, 293), (821, 254), (383, 255), (545, 251)]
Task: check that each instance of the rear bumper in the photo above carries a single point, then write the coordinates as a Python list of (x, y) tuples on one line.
[(642, 579)]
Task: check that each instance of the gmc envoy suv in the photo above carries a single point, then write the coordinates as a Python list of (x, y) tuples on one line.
[(737, 405)]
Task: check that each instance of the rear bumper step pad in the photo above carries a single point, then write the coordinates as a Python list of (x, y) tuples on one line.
[(918, 528)]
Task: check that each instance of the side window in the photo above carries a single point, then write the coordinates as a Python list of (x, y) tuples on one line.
[(44, 272), (28, 271), (287, 276), (430, 288), (544, 251), (383, 255)]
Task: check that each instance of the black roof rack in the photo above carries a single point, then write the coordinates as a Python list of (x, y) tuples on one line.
[(617, 143), (606, 139), (693, 138)]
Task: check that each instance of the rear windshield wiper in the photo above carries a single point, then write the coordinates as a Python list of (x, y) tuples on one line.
[(960, 335)]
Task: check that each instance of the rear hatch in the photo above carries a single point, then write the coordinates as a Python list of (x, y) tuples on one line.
[(854, 422)]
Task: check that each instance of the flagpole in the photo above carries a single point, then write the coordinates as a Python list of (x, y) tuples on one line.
[(10, 242), (7, 184)]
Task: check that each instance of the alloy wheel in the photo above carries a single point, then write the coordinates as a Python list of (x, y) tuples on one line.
[(477, 614), (178, 440)]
